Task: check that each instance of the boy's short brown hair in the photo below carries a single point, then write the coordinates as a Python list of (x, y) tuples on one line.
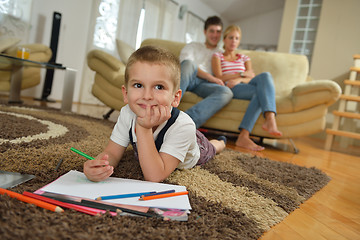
[(156, 55)]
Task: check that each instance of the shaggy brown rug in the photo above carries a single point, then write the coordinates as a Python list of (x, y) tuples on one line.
[(235, 196)]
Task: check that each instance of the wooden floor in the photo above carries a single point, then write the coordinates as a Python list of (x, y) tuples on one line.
[(332, 213)]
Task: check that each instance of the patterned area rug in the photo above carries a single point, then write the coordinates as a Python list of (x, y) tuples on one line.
[(235, 196)]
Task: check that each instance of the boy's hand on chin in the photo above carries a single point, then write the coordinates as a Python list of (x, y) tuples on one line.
[(154, 116)]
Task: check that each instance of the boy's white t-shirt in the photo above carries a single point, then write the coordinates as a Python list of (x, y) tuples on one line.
[(179, 139)]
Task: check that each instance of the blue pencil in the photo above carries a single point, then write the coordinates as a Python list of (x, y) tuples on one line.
[(158, 193), (128, 195)]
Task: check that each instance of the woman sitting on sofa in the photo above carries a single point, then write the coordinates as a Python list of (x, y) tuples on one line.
[(237, 73)]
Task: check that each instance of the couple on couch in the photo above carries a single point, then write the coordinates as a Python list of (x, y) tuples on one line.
[(218, 77)]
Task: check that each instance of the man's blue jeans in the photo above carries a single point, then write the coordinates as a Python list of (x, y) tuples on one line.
[(215, 96), (261, 93)]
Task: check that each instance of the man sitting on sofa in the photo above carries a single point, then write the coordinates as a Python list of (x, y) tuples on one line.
[(197, 77)]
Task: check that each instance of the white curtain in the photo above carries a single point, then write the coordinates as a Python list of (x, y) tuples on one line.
[(159, 19), (194, 29), (15, 19), (169, 15), (129, 14), (158, 22), (152, 18)]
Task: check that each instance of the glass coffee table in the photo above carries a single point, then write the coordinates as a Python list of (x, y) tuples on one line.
[(17, 65)]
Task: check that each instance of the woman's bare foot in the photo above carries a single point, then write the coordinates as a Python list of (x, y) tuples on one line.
[(270, 124), (244, 141)]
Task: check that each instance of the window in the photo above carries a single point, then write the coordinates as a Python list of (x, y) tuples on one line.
[(15, 18), (307, 20), (106, 24)]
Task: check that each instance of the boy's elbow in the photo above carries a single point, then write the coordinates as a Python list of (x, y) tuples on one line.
[(155, 178)]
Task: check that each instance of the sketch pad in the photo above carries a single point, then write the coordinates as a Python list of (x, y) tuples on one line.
[(75, 183), (11, 179)]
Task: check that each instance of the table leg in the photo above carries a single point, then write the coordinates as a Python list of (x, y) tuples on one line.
[(68, 90), (15, 84)]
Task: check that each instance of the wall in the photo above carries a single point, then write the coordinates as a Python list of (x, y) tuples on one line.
[(75, 33), (262, 29), (72, 40), (287, 25), (337, 40)]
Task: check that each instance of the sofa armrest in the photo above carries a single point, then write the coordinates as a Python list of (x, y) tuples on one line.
[(107, 66), (38, 52), (312, 93), (108, 60)]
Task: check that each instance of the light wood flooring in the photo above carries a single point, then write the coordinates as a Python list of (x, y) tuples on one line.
[(332, 213)]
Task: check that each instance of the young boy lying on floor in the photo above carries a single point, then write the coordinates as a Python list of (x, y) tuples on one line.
[(163, 137)]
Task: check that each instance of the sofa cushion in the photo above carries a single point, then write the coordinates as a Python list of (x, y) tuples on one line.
[(174, 47), (124, 50), (7, 42), (288, 70)]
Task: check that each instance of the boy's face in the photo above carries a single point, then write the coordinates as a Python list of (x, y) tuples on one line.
[(149, 85), (213, 35)]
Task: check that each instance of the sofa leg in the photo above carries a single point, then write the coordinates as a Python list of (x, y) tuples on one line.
[(107, 115), (296, 150)]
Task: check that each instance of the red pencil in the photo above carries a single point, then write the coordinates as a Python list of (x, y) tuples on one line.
[(63, 204), (143, 198), (37, 202)]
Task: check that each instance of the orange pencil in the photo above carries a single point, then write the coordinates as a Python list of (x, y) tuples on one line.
[(143, 198), (26, 199), (94, 212)]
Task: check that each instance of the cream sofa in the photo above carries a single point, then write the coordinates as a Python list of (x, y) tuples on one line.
[(30, 75), (302, 102)]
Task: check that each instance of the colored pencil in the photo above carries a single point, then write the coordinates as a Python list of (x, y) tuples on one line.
[(128, 195), (144, 198), (102, 206), (82, 154), (81, 205), (112, 208), (59, 164), (34, 201), (65, 198), (89, 211), (158, 193)]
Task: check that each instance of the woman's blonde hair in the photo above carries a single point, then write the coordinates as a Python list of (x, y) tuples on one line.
[(230, 29)]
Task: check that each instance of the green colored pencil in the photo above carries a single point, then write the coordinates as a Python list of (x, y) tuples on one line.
[(82, 154)]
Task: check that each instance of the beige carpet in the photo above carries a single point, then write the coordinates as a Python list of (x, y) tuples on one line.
[(235, 196)]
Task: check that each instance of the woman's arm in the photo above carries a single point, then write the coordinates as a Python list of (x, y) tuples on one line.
[(232, 79), (249, 72), (216, 68)]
